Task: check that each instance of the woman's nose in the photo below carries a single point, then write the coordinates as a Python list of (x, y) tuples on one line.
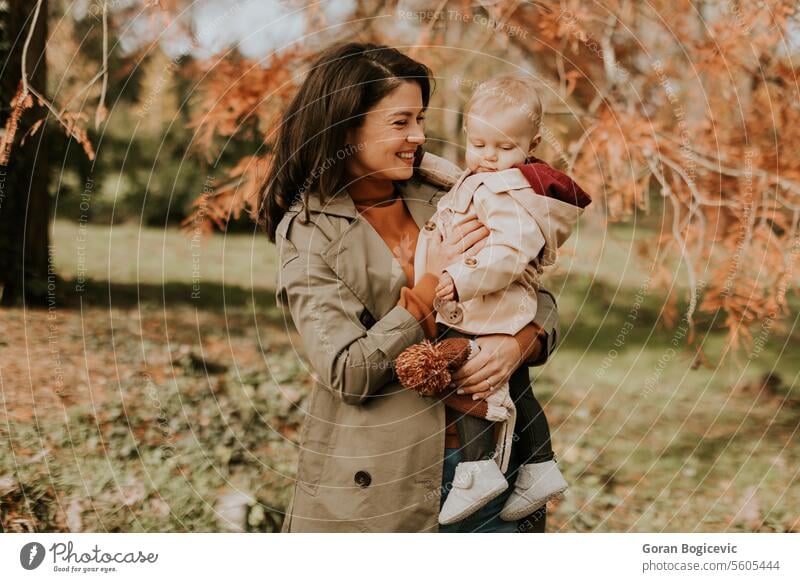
[(417, 137)]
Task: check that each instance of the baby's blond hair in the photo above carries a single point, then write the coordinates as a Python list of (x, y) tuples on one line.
[(514, 89)]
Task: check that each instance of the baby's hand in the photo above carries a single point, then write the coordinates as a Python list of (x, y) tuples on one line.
[(446, 289)]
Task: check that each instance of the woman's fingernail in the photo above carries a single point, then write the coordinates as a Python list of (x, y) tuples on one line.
[(474, 396), (459, 391)]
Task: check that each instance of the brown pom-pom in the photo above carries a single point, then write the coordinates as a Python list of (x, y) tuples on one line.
[(422, 368), (426, 367)]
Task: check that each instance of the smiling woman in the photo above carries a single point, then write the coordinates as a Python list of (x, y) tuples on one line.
[(344, 204), (331, 119)]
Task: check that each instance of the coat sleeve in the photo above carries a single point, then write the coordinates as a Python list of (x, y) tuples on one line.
[(514, 241), (546, 318), (351, 360)]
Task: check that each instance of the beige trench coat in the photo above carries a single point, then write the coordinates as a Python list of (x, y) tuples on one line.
[(371, 452)]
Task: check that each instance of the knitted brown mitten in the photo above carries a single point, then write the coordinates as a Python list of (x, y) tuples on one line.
[(426, 367), (465, 404)]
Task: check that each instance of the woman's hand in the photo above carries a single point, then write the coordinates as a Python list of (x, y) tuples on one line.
[(499, 357), (466, 239)]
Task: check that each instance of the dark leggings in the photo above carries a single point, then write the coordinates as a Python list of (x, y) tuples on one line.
[(486, 519), (531, 434)]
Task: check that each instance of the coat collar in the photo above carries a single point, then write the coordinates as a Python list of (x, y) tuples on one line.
[(458, 198), (416, 193), (462, 192), (338, 205)]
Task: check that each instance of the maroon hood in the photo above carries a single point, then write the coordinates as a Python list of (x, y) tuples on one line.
[(548, 181)]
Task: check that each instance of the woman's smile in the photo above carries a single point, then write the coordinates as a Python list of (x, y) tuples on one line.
[(407, 156)]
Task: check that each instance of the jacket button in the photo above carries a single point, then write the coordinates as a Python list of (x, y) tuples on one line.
[(429, 226), (470, 261), (458, 315), (455, 315), (362, 479), (366, 319), (450, 311)]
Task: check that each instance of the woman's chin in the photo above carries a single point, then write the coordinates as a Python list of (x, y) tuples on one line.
[(393, 173), (401, 173)]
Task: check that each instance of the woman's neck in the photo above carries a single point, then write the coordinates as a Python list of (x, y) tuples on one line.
[(371, 192)]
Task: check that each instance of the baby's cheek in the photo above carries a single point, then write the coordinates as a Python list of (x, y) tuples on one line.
[(512, 158), (473, 161)]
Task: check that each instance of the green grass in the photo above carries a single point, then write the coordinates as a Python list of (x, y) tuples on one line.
[(646, 441), (129, 254)]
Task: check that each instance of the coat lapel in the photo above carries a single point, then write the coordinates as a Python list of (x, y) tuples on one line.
[(420, 200), (360, 257), (364, 263), (460, 198)]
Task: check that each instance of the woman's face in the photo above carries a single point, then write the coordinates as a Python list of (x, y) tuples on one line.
[(392, 131)]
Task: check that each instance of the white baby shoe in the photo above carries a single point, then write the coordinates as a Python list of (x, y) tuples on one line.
[(475, 484), (536, 484)]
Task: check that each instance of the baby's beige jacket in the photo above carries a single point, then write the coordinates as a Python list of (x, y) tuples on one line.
[(496, 288)]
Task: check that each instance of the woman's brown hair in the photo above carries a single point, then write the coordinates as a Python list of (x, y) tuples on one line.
[(344, 83)]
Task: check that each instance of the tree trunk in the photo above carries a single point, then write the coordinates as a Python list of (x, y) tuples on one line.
[(24, 196)]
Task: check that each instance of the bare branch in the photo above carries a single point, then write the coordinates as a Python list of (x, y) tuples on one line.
[(715, 164), (26, 47), (100, 114)]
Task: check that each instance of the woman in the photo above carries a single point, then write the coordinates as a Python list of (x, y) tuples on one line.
[(344, 205)]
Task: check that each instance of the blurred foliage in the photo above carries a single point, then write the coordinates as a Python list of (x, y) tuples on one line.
[(678, 129), (148, 167)]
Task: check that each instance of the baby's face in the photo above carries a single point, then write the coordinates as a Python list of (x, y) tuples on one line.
[(496, 140)]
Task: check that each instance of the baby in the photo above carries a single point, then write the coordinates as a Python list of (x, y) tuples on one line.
[(530, 209)]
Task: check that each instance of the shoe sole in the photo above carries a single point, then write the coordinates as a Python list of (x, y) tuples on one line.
[(467, 512), (517, 515)]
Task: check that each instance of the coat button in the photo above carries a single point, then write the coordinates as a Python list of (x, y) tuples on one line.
[(366, 319), (362, 479), (470, 261), (456, 315), (450, 311), (429, 226)]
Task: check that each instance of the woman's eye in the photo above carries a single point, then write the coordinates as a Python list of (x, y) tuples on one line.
[(400, 122), (477, 145), (507, 148)]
